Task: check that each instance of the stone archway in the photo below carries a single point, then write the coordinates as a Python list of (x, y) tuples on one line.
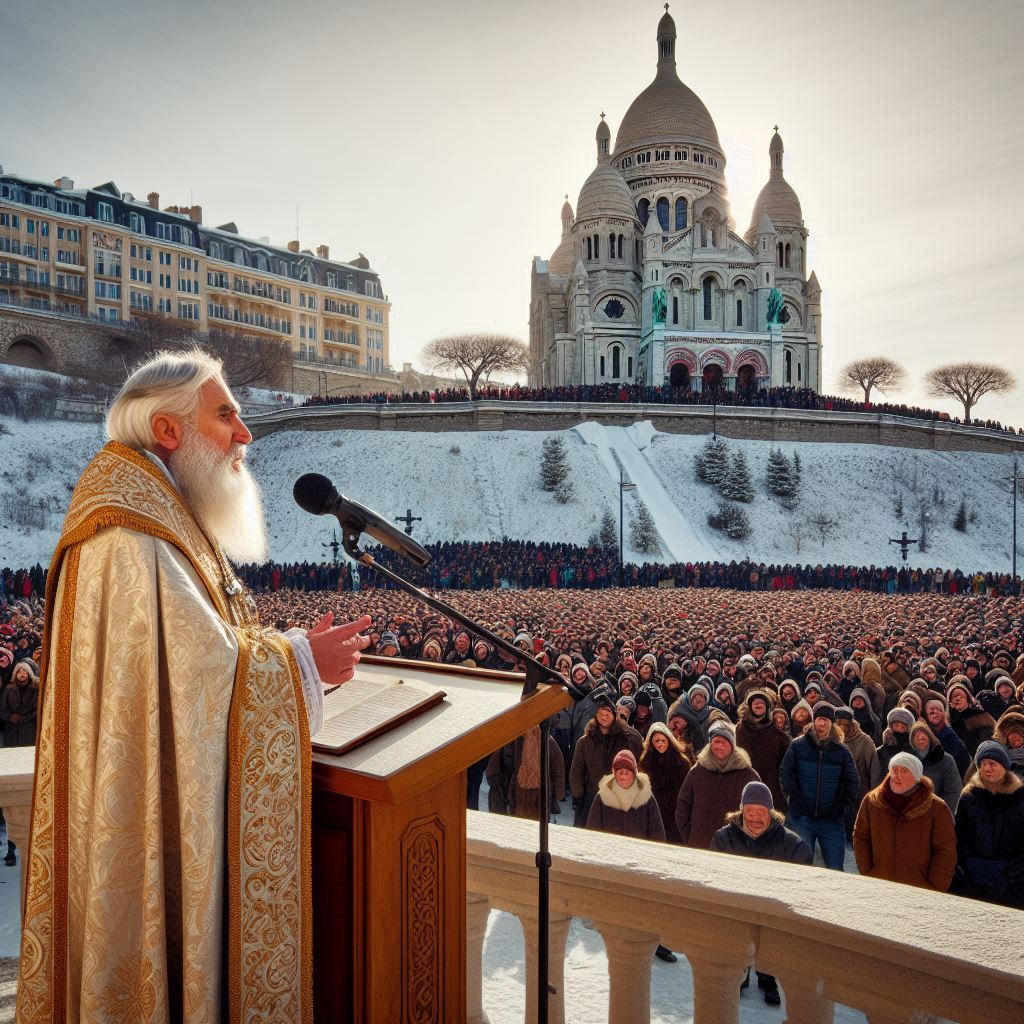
[(29, 352), (712, 377), (746, 377), (679, 376)]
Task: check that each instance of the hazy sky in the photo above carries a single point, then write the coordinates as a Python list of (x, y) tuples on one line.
[(440, 138)]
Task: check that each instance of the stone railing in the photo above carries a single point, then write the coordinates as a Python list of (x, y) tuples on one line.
[(897, 953), (17, 770)]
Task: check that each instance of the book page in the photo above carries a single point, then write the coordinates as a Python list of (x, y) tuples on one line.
[(362, 706)]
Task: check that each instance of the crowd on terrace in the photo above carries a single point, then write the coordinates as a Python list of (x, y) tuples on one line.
[(765, 398)]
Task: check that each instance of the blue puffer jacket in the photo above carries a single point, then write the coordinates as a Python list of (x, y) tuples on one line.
[(819, 780)]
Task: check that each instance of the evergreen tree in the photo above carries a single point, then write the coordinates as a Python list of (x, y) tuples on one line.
[(779, 475), (554, 466), (609, 535), (642, 532), (712, 463), (731, 520), (796, 472), (564, 492), (737, 485), (960, 522)]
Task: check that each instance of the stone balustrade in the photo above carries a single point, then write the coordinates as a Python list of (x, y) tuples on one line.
[(899, 954)]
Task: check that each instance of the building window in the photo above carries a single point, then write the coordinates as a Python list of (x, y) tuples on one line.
[(616, 362), (739, 312), (663, 213), (602, 366), (706, 290), (675, 309), (597, 247), (680, 214), (104, 211), (629, 366), (641, 210)]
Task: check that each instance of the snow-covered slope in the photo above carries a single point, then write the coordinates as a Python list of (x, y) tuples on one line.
[(479, 486)]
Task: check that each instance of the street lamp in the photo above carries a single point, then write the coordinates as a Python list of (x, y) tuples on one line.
[(1015, 481), (624, 485)]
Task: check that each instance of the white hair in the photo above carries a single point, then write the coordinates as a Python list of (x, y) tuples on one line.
[(168, 383)]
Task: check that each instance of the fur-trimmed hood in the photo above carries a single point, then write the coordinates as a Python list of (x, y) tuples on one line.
[(1009, 785), (1007, 719), (736, 818), (736, 761), (612, 795)]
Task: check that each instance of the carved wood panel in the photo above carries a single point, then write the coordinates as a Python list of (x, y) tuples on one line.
[(423, 926)]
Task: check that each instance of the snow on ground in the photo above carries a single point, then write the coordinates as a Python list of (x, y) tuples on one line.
[(484, 485)]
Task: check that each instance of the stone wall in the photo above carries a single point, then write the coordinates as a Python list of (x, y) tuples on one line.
[(782, 425), (48, 342)]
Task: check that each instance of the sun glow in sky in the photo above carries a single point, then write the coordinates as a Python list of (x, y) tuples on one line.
[(440, 138)]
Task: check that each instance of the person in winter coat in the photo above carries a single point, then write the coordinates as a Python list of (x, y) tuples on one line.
[(757, 830), (820, 781), (800, 718), (970, 721), (659, 709), (938, 765), (604, 736), (18, 705), (936, 714), (1001, 697), (696, 708), (666, 763), (725, 700), (789, 695), (904, 832), (865, 757), (764, 744), (780, 719), (990, 831), (582, 711), (896, 737), (864, 714), (871, 683), (513, 774), (1010, 733), (712, 788)]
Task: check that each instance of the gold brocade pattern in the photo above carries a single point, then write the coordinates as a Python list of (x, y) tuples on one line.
[(128, 864)]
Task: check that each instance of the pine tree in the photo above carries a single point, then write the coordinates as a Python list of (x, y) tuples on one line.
[(712, 464), (960, 522), (737, 485), (554, 467), (642, 533), (609, 535), (564, 492), (779, 475), (731, 520), (796, 472)]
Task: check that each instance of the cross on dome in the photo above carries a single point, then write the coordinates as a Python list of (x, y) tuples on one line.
[(776, 128)]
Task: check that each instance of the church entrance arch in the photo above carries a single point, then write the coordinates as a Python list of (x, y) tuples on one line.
[(712, 377), (679, 377), (745, 377), (30, 352)]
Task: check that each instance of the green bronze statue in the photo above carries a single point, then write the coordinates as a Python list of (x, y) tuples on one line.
[(775, 307), (659, 306)]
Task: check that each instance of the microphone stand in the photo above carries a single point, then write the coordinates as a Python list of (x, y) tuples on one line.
[(536, 672)]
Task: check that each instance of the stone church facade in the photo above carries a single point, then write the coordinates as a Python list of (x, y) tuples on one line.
[(651, 283)]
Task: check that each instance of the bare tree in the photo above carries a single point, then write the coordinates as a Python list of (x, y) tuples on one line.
[(477, 356), (823, 524), (250, 361), (969, 382), (872, 372)]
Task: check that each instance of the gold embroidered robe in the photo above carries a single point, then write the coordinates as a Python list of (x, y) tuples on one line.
[(169, 874)]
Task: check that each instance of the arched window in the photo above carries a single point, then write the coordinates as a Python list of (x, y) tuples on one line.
[(620, 247), (675, 309), (706, 290), (789, 366), (597, 247), (680, 214), (787, 254), (616, 362), (590, 250), (739, 312), (641, 210), (663, 213), (778, 254), (611, 247)]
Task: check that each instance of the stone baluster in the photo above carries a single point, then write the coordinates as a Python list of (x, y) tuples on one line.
[(19, 825), (558, 933), (716, 988), (629, 973), (478, 909), (805, 999)]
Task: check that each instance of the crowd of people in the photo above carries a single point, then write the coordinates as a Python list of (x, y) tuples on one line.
[(665, 394)]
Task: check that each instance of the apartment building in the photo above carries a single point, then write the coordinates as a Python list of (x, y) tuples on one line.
[(100, 255)]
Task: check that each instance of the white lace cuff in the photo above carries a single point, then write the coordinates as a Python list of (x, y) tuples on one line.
[(312, 687)]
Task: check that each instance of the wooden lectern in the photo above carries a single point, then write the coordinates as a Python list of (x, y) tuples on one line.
[(389, 848)]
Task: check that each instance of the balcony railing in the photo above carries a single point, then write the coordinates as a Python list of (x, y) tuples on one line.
[(44, 308), (898, 953)]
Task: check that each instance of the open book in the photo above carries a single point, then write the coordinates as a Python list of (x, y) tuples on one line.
[(363, 708)]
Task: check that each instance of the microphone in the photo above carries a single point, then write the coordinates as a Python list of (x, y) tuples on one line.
[(318, 496)]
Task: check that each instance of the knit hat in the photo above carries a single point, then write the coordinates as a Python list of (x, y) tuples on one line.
[(991, 750), (432, 648), (725, 730), (905, 759), (631, 676), (699, 686), (859, 691), (728, 689), (908, 718), (844, 713), (825, 710), (604, 701), (643, 699), (758, 794), (625, 759)]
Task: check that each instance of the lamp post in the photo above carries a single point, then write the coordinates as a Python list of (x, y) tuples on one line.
[(624, 485), (1015, 482)]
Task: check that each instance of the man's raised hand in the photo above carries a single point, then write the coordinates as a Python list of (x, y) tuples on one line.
[(336, 648)]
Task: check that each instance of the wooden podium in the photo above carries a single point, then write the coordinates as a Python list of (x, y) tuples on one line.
[(389, 848)]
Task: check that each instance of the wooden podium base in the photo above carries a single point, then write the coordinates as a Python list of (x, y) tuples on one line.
[(390, 907)]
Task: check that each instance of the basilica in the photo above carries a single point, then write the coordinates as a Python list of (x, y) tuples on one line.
[(651, 283)]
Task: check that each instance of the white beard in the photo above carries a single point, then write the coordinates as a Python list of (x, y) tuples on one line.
[(226, 501)]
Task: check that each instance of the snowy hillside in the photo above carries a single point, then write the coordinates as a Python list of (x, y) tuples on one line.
[(477, 486)]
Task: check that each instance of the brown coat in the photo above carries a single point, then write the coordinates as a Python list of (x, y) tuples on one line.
[(626, 812), (917, 847), (710, 791), (865, 757), (766, 747)]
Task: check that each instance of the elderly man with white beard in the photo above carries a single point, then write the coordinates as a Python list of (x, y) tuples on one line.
[(169, 873)]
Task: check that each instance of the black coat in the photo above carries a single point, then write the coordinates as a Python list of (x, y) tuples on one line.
[(990, 842), (776, 843)]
